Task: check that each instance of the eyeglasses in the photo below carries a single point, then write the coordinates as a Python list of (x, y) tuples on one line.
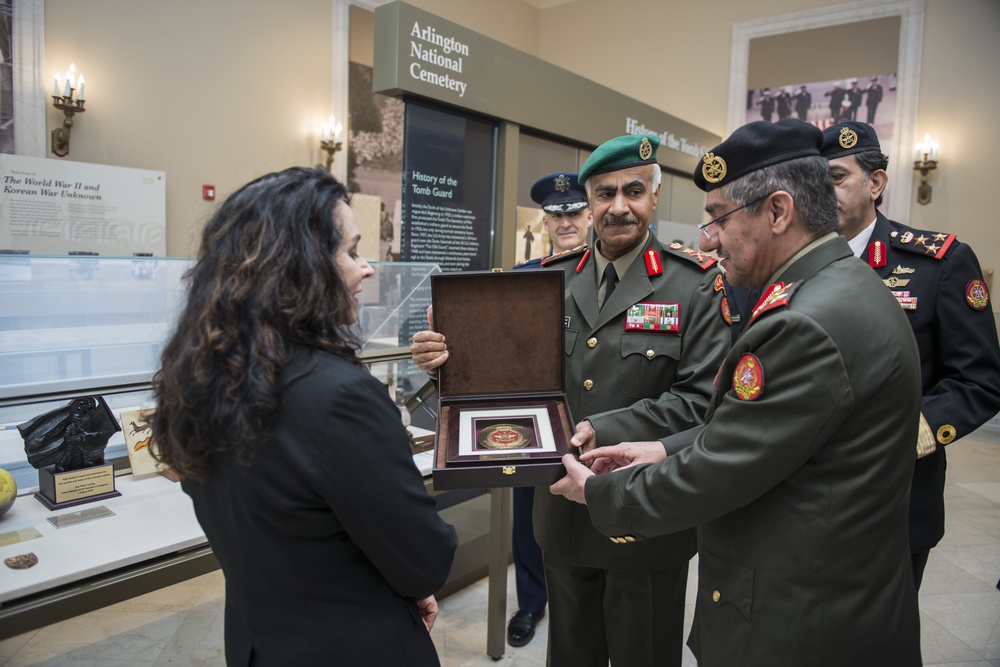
[(703, 228)]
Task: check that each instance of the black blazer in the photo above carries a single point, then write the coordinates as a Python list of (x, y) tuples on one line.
[(328, 538), (959, 354)]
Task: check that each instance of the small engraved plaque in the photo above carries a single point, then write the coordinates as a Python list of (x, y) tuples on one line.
[(83, 516), (57, 490)]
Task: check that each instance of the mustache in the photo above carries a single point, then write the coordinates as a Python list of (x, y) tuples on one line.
[(620, 220)]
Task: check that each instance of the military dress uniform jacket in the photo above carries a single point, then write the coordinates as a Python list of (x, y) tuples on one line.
[(634, 385), (937, 281), (328, 538), (798, 482)]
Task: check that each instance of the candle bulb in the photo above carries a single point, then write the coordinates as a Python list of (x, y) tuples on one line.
[(55, 93), (79, 90), (70, 75)]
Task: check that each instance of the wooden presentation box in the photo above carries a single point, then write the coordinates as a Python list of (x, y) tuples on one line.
[(503, 418)]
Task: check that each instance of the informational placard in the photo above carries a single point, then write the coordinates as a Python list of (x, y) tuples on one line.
[(419, 53), (57, 207), (448, 163)]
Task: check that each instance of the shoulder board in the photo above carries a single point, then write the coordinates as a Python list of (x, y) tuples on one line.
[(702, 259), (565, 254), (930, 244), (776, 296)]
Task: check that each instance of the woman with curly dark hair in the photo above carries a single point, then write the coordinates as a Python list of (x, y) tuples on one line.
[(294, 456)]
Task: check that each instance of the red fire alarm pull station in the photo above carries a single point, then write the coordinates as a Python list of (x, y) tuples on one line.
[(208, 192)]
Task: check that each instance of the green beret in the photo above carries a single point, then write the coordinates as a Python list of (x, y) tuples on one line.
[(631, 150), (849, 138), (755, 146)]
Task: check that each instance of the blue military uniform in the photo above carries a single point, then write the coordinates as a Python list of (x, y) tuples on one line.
[(939, 284)]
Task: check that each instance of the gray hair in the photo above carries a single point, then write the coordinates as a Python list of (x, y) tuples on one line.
[(806, 179)]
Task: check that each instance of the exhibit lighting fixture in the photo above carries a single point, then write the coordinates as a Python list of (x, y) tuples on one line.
[(63, 98), (329, 140), (925, 161)]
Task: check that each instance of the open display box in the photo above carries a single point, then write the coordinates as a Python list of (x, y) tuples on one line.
[(503, 418)]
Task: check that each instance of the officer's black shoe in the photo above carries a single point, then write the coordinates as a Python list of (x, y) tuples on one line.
[(521, 628)]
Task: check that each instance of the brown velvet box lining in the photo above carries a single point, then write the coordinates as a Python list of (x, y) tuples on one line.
[(505, 341)]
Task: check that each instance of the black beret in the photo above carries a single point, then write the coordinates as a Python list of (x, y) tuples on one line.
[(849, 138), (559, 193), (755, 146)]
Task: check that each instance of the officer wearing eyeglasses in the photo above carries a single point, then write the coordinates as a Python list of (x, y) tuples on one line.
[(798, 482)]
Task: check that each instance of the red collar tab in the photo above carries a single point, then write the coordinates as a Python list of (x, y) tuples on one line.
[(583, 261), (775, 296), (876, 254), (653, 265), (719, 283)]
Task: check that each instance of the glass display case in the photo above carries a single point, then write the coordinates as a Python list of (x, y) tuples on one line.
[(83, 325)]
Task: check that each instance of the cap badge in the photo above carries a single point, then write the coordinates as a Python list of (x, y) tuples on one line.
[(977, 295), (748, 378), (848, 137), (713, 168), (645, 149), (562, 183)]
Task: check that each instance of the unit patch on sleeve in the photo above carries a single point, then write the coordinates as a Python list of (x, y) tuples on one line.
[(977, 295), (663, 317), (727, 315), (748, 378)]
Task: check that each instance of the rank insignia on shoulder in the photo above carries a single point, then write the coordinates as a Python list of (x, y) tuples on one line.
[(565, 254), (702, 259), (748, 378), (724, 308), (775, 296), (933, 244), (720, 284), (662, 317), (977, 295)]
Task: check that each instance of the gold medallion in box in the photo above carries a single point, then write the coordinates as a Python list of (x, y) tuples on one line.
[(505, 436), (503, 420)]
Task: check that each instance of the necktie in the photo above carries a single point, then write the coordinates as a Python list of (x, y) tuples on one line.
[(610, 281)]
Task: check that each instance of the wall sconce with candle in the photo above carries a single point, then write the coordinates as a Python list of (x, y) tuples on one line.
[(925, 161), (64, 100), (329, 140)]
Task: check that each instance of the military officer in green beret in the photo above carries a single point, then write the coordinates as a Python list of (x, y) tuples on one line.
[(645, 333), (938, 282), (798, 482)]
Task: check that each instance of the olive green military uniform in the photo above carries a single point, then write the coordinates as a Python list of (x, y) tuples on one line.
[(638, 384)]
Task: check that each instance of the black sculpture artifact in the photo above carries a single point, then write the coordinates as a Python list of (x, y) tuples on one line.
[(71, 437)]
